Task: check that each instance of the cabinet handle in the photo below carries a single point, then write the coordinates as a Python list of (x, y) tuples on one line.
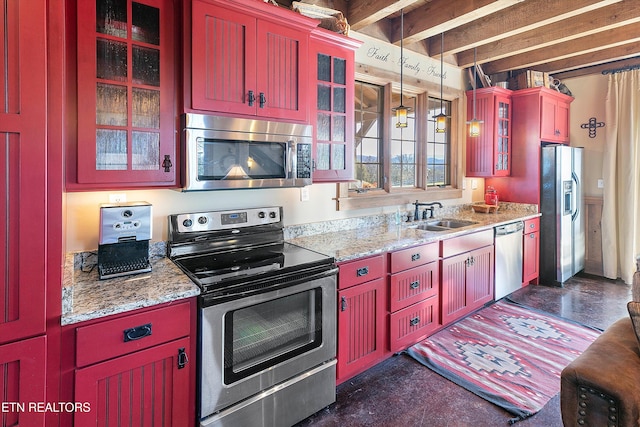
[(166, 164), (263, 100), (532, 226), (343, 304), (415, 257), (137, 333), (362, 271), (252, 98), (532, 235), (414, 285), (414, 321), (183, 359)]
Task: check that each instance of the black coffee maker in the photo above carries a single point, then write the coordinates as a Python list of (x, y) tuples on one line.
[(125, 231)]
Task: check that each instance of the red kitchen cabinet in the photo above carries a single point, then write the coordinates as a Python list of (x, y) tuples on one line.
[(136, 366), (531, 251), (466, 274), (22, 373), (534, 109), (554, 117), (332, 100), (249, 58), (489, 154), (150, 387), (23, 180), (413, 295), (362, 317), (126, 94)]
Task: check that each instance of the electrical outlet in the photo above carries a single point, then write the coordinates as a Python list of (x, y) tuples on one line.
[(601, 183), (304, 194), (474, 184), (117, 198)]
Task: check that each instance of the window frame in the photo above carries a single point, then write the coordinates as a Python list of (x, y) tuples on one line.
[(388, 196)]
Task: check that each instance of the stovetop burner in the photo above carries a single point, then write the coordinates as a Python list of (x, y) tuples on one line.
[(224, 252)]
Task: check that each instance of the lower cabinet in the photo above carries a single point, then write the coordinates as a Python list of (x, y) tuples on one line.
[(531, 251), (413, 295), (136, 369), (466, 274), (362, 316), (22, 373)]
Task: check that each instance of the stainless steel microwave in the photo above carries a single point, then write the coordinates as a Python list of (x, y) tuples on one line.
[(233, 153)]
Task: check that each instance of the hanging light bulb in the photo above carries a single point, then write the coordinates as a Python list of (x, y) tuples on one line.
[(401, 111), (441, 119), (474, 124)]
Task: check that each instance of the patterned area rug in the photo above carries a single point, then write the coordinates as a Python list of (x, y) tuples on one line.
[(506, 353)]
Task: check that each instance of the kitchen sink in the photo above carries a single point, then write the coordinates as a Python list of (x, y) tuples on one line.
[(444, 224)]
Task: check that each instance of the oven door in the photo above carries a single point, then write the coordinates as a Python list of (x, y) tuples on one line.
[(251, 344)]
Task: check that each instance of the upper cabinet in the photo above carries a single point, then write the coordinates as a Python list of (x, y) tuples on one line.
[(554, 117), (489, 154), (331, 94), (126, 87), (249, 58)]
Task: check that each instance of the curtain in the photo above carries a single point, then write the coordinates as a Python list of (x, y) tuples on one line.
[(621, 173)]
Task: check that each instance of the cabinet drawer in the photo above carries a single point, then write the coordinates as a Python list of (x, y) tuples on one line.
[(413, 257), (531, 225), (414, 285), (102, 341), (360, 271), (468, 242), (411, 324)]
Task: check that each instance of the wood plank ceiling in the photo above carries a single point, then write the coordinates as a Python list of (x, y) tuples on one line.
[(565, 38)]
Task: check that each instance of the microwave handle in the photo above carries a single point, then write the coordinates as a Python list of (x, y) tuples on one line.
[(291, 157)]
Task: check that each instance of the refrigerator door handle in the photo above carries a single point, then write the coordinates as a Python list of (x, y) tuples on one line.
[(575, 195)]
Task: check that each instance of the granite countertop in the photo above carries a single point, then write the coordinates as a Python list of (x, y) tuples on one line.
[(365, 241), (85, 297)]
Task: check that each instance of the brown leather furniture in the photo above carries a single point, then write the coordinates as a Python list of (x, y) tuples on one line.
[(601, 387)]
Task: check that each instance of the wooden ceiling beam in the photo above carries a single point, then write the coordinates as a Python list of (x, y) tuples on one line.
[(362, 13), (523, 17), (599, 41), (626, 51), (591, 23)]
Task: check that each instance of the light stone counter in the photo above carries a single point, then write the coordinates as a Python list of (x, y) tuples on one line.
[(85, 297), (346, 245)]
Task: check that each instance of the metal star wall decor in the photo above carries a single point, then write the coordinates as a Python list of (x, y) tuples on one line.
[(592, 125)]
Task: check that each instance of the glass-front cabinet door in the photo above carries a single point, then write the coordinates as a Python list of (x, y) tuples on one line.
[(333, 94), (125, 93)]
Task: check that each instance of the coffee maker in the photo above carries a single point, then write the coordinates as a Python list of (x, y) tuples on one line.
[(125, 231)]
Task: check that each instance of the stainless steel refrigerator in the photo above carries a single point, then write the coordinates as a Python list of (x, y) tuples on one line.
[(562, 239)]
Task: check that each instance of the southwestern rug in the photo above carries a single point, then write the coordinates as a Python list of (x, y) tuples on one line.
[(508, 354)]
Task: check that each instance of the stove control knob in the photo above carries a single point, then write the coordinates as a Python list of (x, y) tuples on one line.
[(261, 214), (187, 223), (202, 220), (272, 214)]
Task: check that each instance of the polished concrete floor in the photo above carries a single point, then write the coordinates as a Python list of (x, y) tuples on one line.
[(401, 392)]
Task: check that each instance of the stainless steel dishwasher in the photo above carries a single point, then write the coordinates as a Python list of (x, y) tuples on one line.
[(508, 258)]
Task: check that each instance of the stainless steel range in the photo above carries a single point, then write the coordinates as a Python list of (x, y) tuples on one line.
[(267, 318)]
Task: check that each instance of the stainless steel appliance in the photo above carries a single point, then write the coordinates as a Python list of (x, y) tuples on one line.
[(125, 231), (232, 153), (267, 318), (562, 239), (508, 246)]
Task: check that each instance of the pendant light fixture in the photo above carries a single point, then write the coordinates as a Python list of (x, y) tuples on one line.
[(441, 119), (474, 124), (401, 111)]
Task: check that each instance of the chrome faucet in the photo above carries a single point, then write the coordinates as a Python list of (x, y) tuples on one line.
[(416, 215)]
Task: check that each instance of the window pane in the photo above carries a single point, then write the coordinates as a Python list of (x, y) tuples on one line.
[(111, 149), (339, 71), (339, 128), (324, 127), (146, 23), (324, 152), (368, 140), (324, 98), (111, 60), (438, 153), (145, 150), (146, 108), (338, 156), (324, 68), (111, 105), (339, 95), (146, 66), (111, 17)]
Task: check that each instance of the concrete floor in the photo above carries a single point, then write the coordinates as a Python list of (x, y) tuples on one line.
[(401, 392)]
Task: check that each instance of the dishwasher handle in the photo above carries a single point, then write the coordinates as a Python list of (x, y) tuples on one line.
[(514, 227)]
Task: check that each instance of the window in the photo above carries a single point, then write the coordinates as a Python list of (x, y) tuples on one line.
[(368, 139), (417, 156), (438, 159)]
